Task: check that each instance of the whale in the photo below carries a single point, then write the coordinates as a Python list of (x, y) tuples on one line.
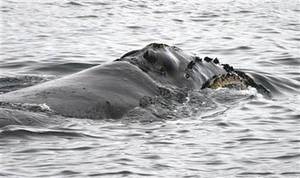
[(112, 89)]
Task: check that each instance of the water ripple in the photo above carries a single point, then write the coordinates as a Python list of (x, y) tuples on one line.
[(119, 173), (237, 136)]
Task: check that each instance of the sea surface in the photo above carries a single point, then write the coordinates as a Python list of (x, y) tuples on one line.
[(256, 136)]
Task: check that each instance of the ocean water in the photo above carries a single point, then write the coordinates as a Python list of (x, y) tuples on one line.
[(248, 136)]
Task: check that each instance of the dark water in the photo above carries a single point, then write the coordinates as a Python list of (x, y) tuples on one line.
[(242, 134)]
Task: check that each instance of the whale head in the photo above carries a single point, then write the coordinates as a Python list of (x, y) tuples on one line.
[(169, 65)]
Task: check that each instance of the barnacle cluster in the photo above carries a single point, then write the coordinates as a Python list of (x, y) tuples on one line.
[(230, 80)]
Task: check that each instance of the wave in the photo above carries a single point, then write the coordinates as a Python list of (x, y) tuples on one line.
[(11, 83), (38, 132), (73, 3), (276, 84)]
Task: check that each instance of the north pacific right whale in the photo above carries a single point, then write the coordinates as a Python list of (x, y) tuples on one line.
[(113, 89)]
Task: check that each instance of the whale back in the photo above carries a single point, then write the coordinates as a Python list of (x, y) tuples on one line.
[(105, 91)]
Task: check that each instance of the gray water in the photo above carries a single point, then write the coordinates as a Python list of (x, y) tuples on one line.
[(252, 137)]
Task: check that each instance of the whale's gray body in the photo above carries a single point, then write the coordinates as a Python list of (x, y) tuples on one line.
[(111, 90)]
